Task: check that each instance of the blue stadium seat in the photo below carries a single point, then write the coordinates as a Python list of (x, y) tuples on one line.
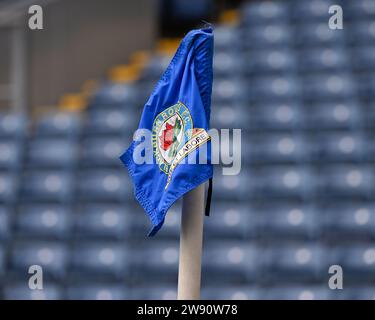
[(274, 89), (8, 187), (338, 115), (287, 221), (277, 35), (228, 63), (51, 256), (162, 262), (362, 32), (105, 291), (103, 151), (52, 153), (230, 116), (264, 12), (111, 121), (5, 223), (232, 220), (308, 292), (361, 9), (230, 262), (311, 10), (366, 86), (2, 260), (228, 90), (10, 154), (43, 221), (318, 35), (338, 146), (315, 60), (262, 62), (302, 262), (231, 187), (21, 291), (345, 181), (65, 124), (349, 221), (358, 261), (363, 58), (230, 292), (124, 95), (275, 148), (47, 186), (103, 221), (158, 292), (279, 181), (104, 185), (275, 116), (224, 40), (12, 125), (334, 87), (99, 259)]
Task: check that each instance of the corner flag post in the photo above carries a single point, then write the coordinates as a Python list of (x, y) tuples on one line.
[(191, 238)]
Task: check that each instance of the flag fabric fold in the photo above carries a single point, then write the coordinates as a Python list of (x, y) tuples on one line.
[(177, 114)]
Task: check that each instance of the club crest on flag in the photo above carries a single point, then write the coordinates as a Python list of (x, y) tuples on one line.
[(174, 137)]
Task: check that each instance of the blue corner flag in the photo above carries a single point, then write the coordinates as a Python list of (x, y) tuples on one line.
[(177, 115)]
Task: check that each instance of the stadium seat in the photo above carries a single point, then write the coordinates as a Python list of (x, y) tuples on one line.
[(230, 262), (5, 223), (232, 220), (11, 151), (349, 221), (227, 63), (12, 125), (345, 181), (275, 148), (99, 260), (230, 293), (106, 291), (308, 292), (118, 94), (276, 35), (21, 291), (311, 11), (224, 40), (51, 256), (265, 12), (103, 151), (156, 292), (358, 262), (362, 32), (229, 90), (103, 221), (315, 60), (288, 182), (52, 153), (275, 116), (261, 62), (357, 10), (363, 58), (226, 184), (331, 116), (287, 221), (43, 221), (64, 124), (318, 34), (334, 87), (162, 262), (111, 121), (226, 116), (8, 187), (274, 89), (338, 147), (299, 262), (47, 186), (104, 185)]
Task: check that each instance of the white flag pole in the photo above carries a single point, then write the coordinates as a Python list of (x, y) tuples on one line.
[(191, 237)]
